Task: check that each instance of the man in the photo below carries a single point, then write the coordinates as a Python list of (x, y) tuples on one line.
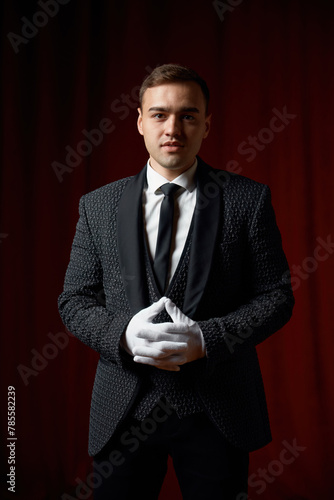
[(174, 287)]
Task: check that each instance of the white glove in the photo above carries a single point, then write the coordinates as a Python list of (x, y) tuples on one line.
[(168, 348), (142, 332), (193, 337)]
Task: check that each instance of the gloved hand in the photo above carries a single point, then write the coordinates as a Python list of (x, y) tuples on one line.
[(193, 337), (168, 348), (141, 332)]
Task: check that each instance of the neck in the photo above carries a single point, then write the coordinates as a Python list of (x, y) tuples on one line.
[(168, 173)]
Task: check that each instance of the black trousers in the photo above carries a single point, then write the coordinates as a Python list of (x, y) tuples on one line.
[(134, 462)]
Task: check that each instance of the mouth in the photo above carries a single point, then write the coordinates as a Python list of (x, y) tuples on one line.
[(172, 146)]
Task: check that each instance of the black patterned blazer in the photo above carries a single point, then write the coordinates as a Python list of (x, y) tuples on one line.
[(236, 286)]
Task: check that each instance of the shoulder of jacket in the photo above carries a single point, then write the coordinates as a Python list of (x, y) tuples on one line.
[(232, 180), (242, 182), (112, 191)]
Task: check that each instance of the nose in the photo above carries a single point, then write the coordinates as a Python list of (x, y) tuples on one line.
[(172, 127)]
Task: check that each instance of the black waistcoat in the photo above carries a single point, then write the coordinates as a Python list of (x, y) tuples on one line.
[(178, 387)]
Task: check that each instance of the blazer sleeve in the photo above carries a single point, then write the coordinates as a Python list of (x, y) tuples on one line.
[(81, 304), (271, 299)]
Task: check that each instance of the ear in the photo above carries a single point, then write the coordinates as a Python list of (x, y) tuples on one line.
[(207, 126), (140, 122)]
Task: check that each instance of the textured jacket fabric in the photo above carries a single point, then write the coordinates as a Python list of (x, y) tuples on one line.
[(233, 279)]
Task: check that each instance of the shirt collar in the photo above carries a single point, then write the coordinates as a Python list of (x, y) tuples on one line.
[(185, 180)]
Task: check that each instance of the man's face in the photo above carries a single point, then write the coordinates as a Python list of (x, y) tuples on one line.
[(174, 123)]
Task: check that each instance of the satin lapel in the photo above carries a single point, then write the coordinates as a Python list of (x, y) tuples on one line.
[(206, 223), (130, 242)]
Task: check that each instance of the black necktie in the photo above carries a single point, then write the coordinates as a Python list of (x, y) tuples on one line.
[(162, 252)]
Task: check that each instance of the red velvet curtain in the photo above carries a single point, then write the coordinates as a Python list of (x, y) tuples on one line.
[(70, 76)]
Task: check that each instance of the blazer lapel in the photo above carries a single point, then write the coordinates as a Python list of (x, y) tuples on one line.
[(206, 223), (131, 242)]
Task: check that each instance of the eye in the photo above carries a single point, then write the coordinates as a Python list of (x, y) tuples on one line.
[(158, 116), (188, 117)]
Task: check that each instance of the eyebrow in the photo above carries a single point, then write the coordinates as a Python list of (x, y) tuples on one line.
[(168, 110)]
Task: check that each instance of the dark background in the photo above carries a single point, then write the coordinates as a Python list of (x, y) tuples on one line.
[(260, 58)]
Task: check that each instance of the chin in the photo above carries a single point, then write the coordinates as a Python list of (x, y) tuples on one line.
[(174, 164)]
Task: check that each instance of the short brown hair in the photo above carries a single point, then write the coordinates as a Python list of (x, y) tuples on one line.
[(170, 73)]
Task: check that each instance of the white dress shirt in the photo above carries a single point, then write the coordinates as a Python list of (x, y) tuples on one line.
[(185, 201)]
